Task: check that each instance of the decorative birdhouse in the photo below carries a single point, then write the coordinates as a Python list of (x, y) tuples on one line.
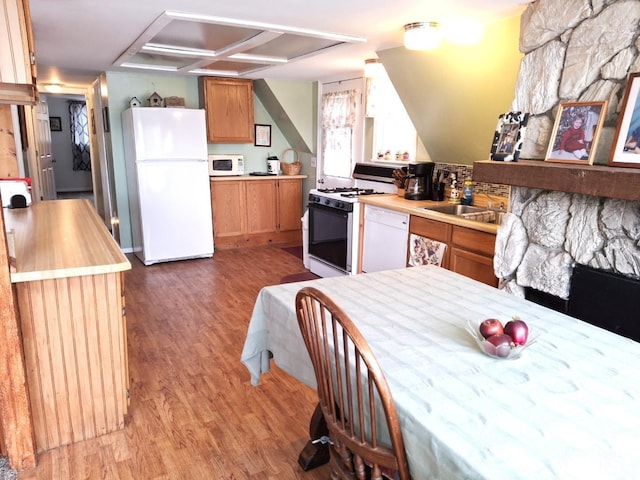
[(155, 100), (134, 102)]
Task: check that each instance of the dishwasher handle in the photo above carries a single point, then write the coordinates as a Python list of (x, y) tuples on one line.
[(387, 217)]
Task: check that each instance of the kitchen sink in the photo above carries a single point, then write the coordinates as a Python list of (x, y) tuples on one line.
[(456, 209), (478, 214)]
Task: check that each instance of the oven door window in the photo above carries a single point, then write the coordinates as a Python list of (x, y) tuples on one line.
[(329, 235)]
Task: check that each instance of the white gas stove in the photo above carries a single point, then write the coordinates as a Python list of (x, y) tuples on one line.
[(334, 221)]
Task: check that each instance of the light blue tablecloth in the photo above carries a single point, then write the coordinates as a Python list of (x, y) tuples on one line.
[(568, 408)]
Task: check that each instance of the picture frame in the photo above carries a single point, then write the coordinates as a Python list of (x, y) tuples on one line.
[(262, 135), (507, 139), (576, 131), (55, 124), (623, 151)]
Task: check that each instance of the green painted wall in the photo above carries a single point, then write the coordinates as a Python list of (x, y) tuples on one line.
[(454, 94), (300, 101), (123, 86)]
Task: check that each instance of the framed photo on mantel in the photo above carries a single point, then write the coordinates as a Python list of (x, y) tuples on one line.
[(625, 151), (576, 132), (507, 140)]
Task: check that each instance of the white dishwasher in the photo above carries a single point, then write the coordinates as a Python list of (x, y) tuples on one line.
[(386, 234)]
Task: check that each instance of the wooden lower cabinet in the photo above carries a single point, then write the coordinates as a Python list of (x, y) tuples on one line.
[(74, 337), (469, 252), (256, 212), (434, 230)]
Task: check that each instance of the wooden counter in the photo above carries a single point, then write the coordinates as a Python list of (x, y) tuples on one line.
[(471, 244), (222, 178), (251, 210), (417, 207), (69, 289), (60, 239)]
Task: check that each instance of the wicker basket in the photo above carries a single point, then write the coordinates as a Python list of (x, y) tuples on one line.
[(292, 168)]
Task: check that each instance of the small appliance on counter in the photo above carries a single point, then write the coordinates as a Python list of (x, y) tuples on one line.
[(273, 165), (225, 164), (419, 184), (15, 193)]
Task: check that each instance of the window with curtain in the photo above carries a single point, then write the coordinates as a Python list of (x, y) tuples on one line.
[(339, 110), (393, 129), (80, 136)]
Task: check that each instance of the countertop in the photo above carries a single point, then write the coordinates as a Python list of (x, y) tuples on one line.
[(254, 177), (60, 239), (416, 207)]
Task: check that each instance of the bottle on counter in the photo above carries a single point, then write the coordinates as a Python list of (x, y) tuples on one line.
[(467, 192), (454, 191)]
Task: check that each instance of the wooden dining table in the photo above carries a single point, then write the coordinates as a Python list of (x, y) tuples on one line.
[(568, 407)]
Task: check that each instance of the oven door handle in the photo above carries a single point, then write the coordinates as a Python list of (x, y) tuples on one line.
[(327, 208)]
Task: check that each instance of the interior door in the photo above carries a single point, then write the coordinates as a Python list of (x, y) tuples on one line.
[(352, 149), (44, 157)]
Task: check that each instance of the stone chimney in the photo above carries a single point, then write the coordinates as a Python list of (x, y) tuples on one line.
[(575, 51)]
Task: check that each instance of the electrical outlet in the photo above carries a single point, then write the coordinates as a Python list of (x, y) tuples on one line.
[(313, 162)]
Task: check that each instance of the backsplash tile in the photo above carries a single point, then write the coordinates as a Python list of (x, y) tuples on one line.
[(463, 171)]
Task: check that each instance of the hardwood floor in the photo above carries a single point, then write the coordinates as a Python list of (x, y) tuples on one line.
[(194, 413)]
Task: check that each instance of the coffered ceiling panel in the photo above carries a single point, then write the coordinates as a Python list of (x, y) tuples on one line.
[(205, 45)]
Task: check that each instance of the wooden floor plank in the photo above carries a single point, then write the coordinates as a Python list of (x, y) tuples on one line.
[(194, 413)]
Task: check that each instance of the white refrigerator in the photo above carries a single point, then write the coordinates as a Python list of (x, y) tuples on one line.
[(168, 180)]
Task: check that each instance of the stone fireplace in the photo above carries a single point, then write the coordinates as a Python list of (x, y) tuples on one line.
[(575, 51), (546, 233)]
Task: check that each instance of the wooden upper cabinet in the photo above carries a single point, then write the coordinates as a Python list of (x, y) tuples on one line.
[(229, 106), (17, 54)]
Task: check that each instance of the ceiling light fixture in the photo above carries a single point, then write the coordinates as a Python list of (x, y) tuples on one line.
[(373, 68), (258, 58), (422, 35), (180, 51), (142, 66), (53, 87)]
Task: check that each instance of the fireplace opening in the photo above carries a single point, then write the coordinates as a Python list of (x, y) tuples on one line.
[(602, 298)]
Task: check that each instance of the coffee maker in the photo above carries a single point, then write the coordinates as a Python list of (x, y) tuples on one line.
[(419, 183)]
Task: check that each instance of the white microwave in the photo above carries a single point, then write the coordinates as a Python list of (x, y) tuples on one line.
[(221, 164)]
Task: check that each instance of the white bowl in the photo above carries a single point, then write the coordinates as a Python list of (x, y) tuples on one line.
[(488, 348)]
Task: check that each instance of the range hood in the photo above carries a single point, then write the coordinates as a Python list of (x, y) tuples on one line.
[(376, 172)]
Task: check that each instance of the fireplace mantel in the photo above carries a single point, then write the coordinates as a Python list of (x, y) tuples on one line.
[(596, 180)]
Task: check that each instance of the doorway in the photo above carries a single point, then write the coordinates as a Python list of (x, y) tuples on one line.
[(70, 145)]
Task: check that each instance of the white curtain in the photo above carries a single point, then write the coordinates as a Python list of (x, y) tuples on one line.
[(338, 119)]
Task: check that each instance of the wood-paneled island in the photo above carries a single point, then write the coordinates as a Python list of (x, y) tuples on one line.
[(69, 286)]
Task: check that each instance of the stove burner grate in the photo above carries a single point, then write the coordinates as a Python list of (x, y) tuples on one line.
[(338, 190), (357, 193)]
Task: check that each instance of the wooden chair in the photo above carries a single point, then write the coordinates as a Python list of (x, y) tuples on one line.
[(354, 395)]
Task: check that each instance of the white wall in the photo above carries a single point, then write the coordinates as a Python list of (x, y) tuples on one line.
[(67, 180)]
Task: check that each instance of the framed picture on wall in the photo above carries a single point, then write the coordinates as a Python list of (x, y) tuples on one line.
[(262, 135), (507, 140), (625, 151), (55, 124), (576, 131)]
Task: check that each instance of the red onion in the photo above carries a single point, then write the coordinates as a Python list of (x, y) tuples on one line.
[(517, 330), (490, 326), (502, 343)]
